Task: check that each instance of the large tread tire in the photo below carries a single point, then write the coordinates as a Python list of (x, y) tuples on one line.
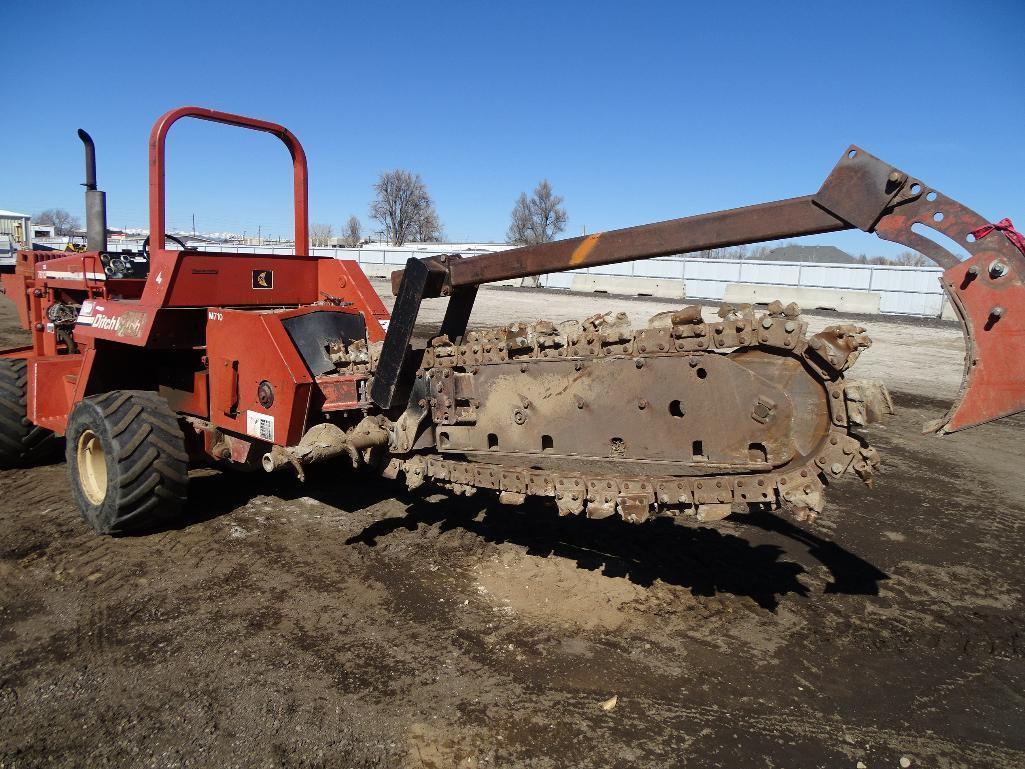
[(22, 443), (142, 480)]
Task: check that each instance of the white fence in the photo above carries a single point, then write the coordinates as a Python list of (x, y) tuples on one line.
[(901, 290)]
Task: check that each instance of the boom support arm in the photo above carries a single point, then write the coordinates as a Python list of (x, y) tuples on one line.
[(752, 224), (862, 192)]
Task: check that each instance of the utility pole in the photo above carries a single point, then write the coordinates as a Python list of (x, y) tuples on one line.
[(259, 236), (193, 224)]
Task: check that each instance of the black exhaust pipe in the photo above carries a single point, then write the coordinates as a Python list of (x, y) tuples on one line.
[(95, 200)]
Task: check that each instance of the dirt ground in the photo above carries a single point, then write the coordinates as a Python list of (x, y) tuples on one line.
[(347, 623)]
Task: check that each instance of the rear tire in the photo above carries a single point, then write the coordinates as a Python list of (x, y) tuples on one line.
[(21, 443), (126, 461)]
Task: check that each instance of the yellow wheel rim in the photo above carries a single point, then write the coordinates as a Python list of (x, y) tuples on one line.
[(92, 467)]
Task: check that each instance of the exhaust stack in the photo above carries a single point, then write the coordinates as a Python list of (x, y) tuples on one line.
[(95, 200)]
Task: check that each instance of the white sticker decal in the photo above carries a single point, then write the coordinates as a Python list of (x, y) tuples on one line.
[(85, 315), (260, 425)]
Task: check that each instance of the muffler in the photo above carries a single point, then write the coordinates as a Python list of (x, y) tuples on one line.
[(95, 200)]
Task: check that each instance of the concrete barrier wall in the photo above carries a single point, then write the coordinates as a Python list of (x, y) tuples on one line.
[(615, 284), (948, 312), (807, 298)]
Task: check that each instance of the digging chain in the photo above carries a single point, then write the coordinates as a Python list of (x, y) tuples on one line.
[(709, 497)]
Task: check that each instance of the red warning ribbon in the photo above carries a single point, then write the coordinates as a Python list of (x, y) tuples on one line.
[(1005, 226)]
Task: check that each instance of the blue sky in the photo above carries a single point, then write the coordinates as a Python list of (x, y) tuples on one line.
[(636, 112)]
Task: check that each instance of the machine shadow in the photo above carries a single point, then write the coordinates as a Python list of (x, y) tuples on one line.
[(213, 493), (852, 574), (705, 560)]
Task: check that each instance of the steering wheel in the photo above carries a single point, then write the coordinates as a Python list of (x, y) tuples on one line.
[(144, 249)]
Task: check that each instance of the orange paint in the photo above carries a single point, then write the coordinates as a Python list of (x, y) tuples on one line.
[(586, 247)]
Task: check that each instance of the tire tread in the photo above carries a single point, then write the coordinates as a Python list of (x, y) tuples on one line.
[(151, 461), (21, 443)]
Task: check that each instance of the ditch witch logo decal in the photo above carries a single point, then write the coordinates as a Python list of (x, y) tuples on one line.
[(263, 279), (128, 324)]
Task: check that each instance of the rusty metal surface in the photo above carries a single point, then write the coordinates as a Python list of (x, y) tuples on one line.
[(702, 413), (738, 226), (341, 393), (857, 193), (860, 188), (612, 420), (609, 420), (987, 291)]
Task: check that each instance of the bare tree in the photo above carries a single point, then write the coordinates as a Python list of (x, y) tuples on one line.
[(910, 259), (320, 234), (714, 253), (404, 208), (520, 221), (353, 232), (63, 222), (428, 228), (761, 253), (537, 219)]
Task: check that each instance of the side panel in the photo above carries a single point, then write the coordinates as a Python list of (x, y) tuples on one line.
[(345, 280), (218, 280), (16, 290), (255, 347), (193, 399), (130, 322), (51, 389)]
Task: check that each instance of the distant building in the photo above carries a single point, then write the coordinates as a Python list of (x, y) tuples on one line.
[(16, 227)]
